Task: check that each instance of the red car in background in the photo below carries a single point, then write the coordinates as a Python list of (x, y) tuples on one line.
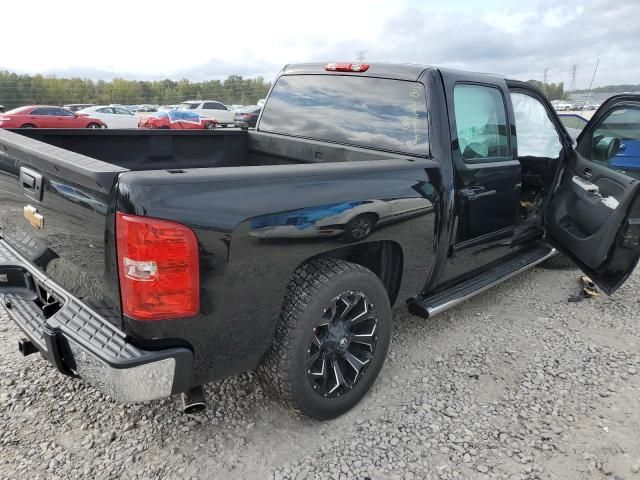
[(43, 116), (178, 119)]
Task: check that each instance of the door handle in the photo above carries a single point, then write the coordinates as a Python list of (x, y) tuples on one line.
[(585, 185), (587, 173)]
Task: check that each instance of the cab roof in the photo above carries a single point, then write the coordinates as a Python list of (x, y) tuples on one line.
[(398, 71)]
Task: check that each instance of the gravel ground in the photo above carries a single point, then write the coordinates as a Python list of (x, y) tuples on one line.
[(515, 384)]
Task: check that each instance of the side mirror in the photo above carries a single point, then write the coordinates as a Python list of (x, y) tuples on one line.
[(606, 147)]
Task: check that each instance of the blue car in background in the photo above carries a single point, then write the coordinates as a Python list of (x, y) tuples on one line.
[(628, 156), (616, 141)]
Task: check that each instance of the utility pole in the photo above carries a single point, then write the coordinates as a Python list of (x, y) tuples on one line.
[(574, 70), (360, 55), (546, 74)]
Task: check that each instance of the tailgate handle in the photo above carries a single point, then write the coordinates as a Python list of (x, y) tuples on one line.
[(28, 181), (31, 182)]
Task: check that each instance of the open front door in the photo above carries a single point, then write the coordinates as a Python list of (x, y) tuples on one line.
[(594, 215)]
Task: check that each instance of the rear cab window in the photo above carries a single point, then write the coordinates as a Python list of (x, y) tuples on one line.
[(378, 113)]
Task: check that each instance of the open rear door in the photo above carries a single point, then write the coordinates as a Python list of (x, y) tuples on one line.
[(594, 215)]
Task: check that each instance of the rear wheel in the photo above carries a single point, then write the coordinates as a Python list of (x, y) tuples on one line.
[(331, 340), (28, 125)]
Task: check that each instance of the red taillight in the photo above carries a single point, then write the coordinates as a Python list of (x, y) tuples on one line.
[(347, 67), (158, 268)]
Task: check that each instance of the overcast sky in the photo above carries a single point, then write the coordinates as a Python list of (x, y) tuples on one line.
[(212, 39)]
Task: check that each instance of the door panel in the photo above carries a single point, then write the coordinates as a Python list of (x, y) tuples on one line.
[(594, 217), (114, 120), (487, 175)]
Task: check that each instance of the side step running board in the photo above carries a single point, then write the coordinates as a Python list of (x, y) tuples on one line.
[(428, 306)]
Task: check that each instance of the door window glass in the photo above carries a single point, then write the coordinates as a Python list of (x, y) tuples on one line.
[(213, 106), (63, 112), (570, 120), (537, 135), (40, 111), (616, 141), (481, 123)]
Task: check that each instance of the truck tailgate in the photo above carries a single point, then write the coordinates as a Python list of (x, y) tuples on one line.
[(56, 211)]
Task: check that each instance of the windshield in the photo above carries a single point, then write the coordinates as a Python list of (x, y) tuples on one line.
[(188, 106)]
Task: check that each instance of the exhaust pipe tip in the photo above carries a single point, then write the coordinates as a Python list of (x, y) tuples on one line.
[(194, 400), (26, 347)]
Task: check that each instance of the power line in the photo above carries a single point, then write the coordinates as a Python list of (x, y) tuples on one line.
[(590, 85)]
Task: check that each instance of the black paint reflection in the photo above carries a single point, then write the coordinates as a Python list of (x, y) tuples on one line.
[(70, 246), (79, 196)]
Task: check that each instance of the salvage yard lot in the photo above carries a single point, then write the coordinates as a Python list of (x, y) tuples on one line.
[(516, 383)]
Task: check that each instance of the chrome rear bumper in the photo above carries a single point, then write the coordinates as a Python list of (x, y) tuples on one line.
[(79, 342)]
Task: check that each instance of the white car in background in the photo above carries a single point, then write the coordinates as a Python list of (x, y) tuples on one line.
[(112, 116), (561, 106), (210, 108)]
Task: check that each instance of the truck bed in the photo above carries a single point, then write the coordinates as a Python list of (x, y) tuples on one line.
[(85, 175), (173, 149)]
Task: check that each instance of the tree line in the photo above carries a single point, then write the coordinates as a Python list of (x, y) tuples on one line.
[(614, 89), (17, 90), (553, 91)]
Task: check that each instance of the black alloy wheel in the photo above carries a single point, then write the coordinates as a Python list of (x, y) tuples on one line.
[(343, 344), (331, 340)]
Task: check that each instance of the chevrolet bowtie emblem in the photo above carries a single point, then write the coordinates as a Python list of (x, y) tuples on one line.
[(35, 219)]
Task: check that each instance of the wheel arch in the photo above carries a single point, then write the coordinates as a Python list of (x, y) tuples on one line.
[(384, 258)]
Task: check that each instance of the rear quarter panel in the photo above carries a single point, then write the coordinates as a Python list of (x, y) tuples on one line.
[(244, 277)]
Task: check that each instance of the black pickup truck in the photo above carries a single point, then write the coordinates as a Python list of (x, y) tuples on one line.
[(152, 262)]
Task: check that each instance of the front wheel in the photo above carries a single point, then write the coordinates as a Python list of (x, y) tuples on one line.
[(331, 340), (93, 125)]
